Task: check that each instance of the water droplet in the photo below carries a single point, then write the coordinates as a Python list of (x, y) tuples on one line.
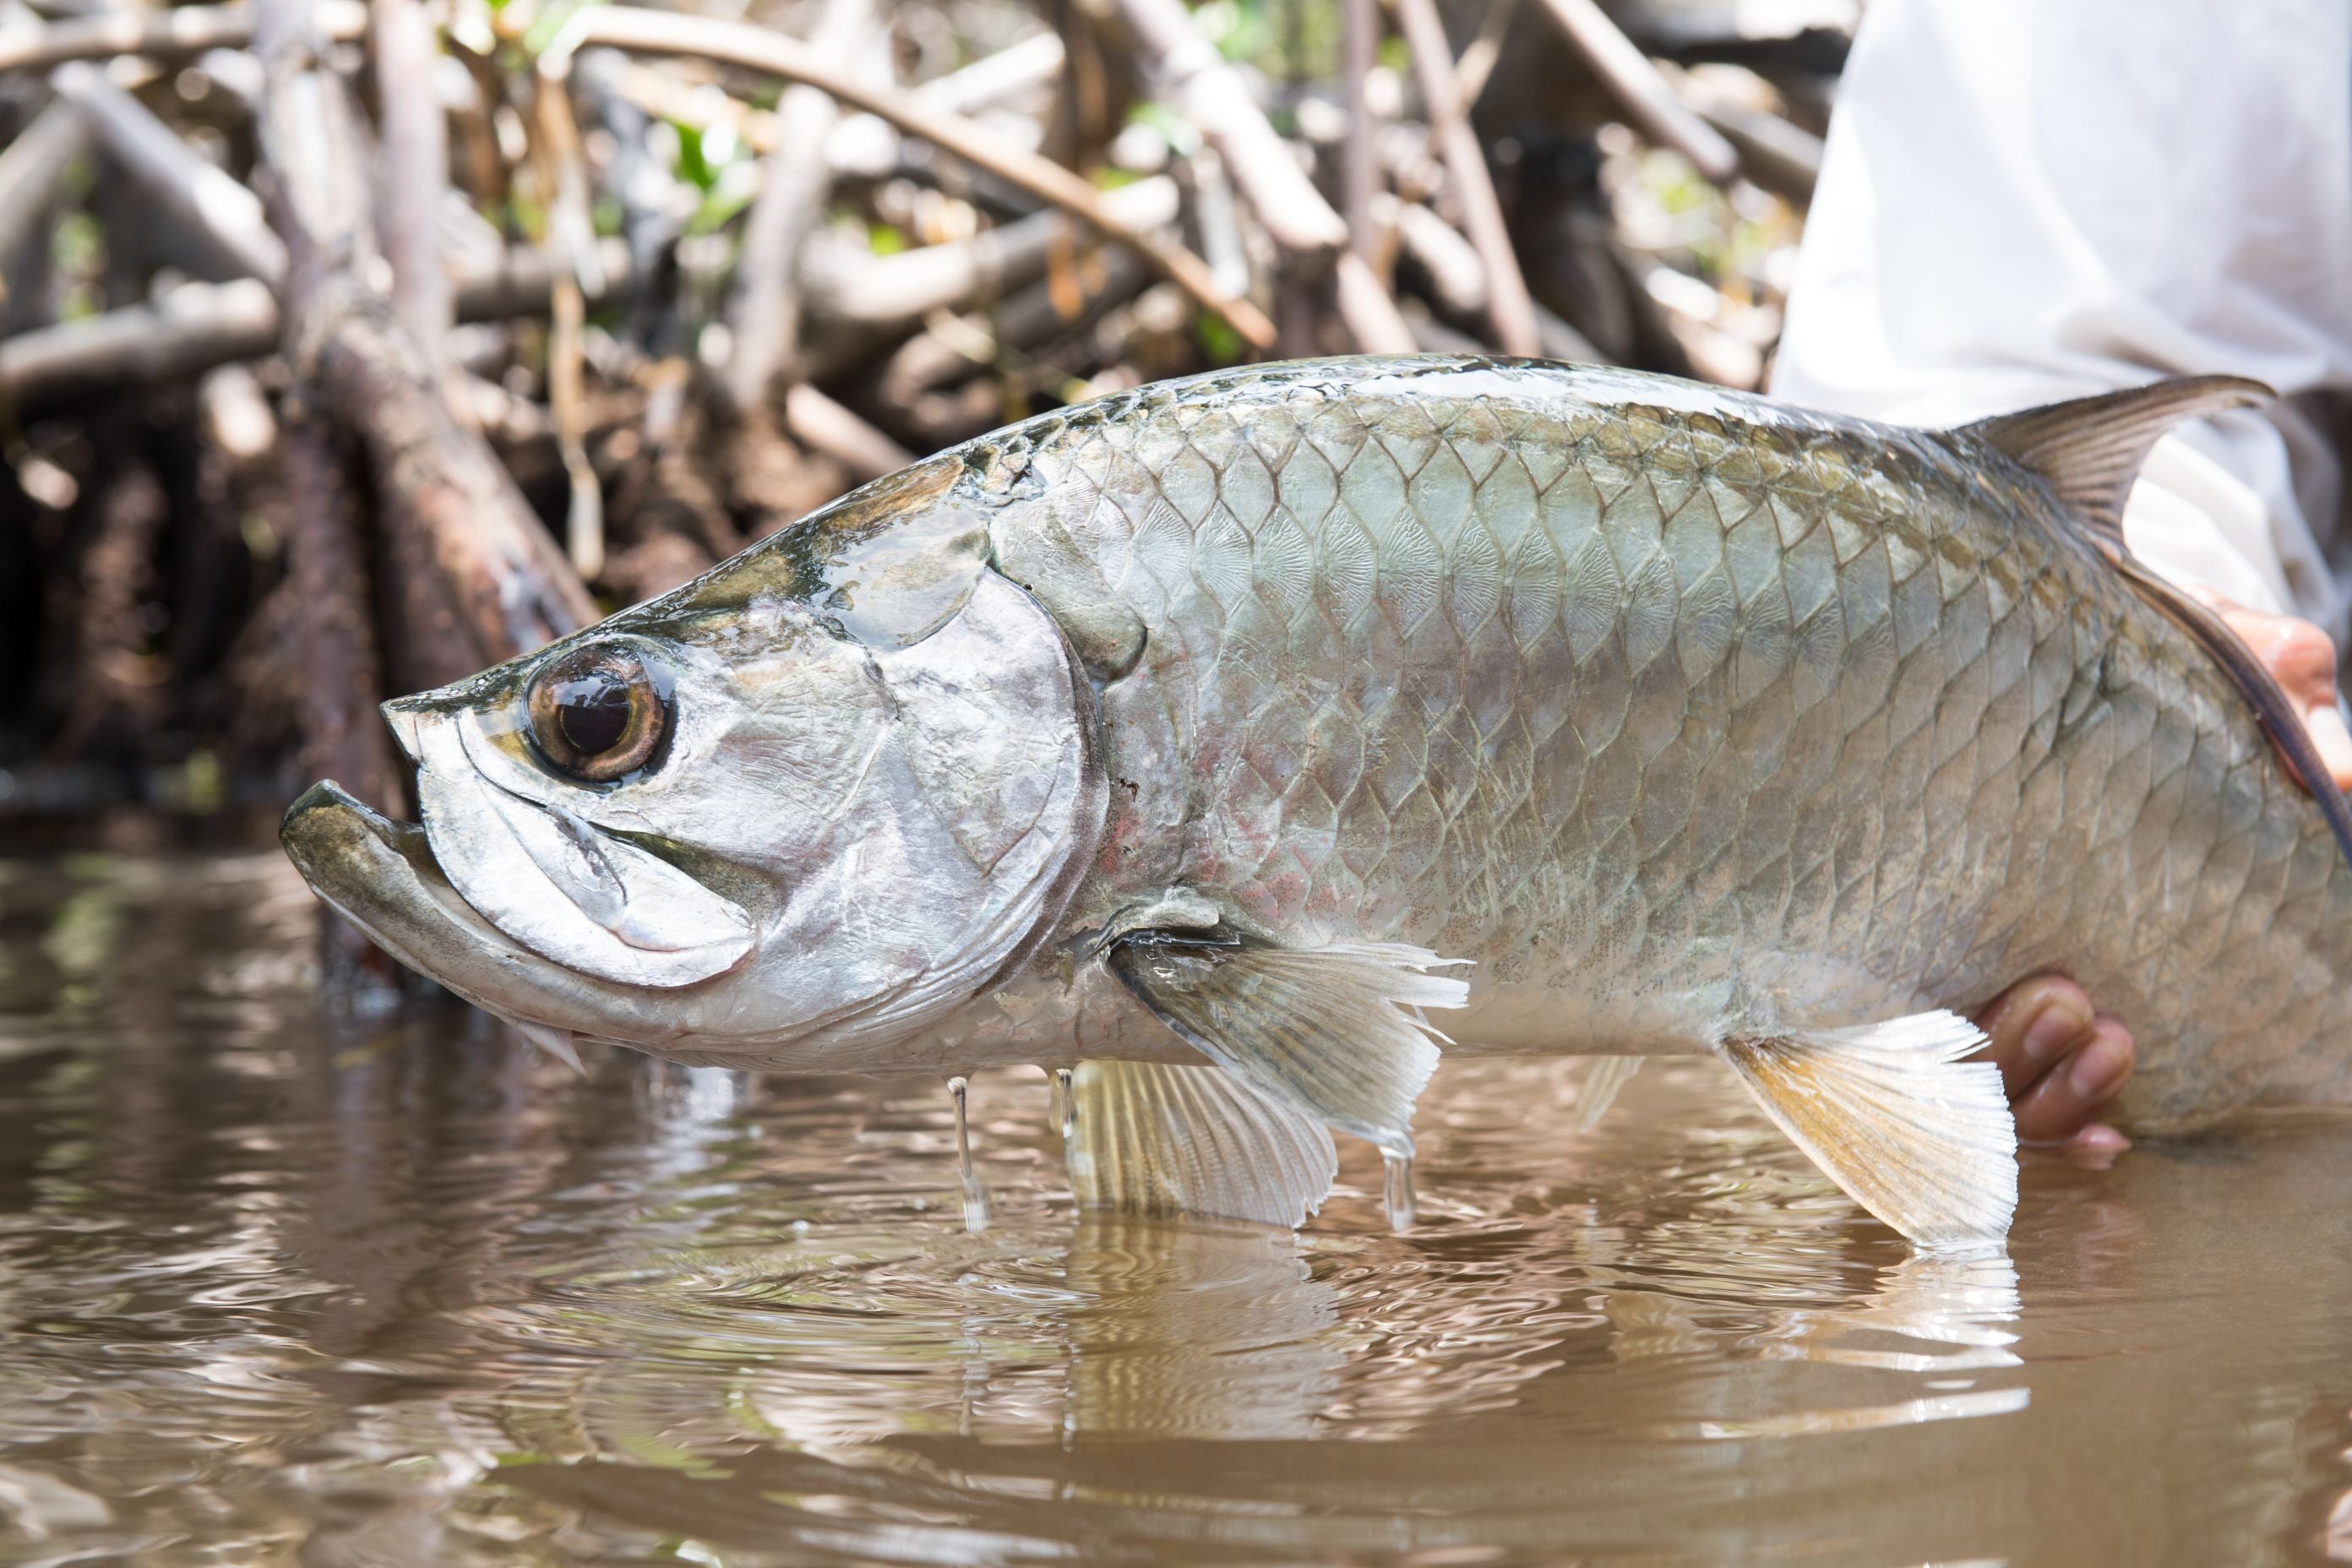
[(975, 1197), (1396, 1190)]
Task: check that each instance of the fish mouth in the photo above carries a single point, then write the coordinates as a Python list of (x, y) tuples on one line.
[(380, 874)]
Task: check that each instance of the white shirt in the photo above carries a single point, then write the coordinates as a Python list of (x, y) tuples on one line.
[(2024, 200)]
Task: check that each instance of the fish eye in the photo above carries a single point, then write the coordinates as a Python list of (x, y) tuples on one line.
[(598, 713)]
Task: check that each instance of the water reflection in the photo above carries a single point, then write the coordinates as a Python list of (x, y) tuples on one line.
[(390, 1289)]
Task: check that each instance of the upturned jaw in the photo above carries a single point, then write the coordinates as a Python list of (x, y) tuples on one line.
[(381, 875)]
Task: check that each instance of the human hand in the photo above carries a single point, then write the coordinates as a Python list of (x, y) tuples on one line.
[(2061, 1059), (2302, 660)]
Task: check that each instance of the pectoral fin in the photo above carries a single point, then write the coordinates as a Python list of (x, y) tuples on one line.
[(1601, 1083), (555, 1042), (1152, 1139), (1917, 1136), (1334, 1031)]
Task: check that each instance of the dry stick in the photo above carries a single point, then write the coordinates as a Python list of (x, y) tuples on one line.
[(1508, 307), (762, 309), (1783, 158), (196, 196), (1033, 63), (1474, 66), (342, 663), (1368, 308), (953, 346), (1216, 99), (816, 420), (414, 169), (1359, 177), (1647, 96), (199, 326), (1197, 82), (1457, 276), (188, 332), (30, 168), (164, 34), (891, 290), (571, 239), (755, 49), (1021, 67), (343, 674), (1779, 156), (438, 484)]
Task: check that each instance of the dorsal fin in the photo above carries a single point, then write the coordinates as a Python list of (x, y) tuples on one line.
[(2091, 448)]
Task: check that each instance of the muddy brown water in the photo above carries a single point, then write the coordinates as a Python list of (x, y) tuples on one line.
[(281, 1285)]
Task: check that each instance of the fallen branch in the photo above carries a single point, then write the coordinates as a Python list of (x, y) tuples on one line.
[(30, 169), (197, 327), (1783, 158), (817, 421), (954, 346), (187, 332), (1508, 307), (1360, 174), (343, 668), (436, 482), (755, 49), (414, 168), (1368, 308), (164, 34), (1216, 99), (1195, 81), (1647, 97), (891, 290), (1033, 63), (763, 310), (1457, 276), (193, 194)]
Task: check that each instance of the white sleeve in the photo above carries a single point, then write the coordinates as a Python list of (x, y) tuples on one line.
[(2023, 200)]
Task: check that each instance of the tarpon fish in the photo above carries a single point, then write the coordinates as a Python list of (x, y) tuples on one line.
[(1219, 743)]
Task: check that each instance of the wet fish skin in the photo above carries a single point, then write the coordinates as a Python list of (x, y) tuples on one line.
[(1681, 717)]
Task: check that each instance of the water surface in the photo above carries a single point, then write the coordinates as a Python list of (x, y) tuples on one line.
[(282, 1286)]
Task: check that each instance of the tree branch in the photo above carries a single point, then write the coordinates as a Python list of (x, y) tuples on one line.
[(756, 48), (1648, 99), (176, 33), (1508, 307)]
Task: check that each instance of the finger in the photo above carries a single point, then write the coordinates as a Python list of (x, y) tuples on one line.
[(2095, 1145), (2302, 660), (2333, 741), (2071, 1094), (2031, 1024)]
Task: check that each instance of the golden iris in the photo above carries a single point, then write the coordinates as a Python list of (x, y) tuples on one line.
[(597, 714)]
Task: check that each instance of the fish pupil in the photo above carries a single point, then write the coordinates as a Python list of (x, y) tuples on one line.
[(594, 710)]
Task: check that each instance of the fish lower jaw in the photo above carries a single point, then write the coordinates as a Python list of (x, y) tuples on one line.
[(343, 846)]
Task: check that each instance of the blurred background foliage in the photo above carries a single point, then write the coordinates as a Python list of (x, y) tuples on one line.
[(347, 348)]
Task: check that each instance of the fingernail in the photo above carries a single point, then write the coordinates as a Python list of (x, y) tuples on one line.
[(2055, 1025), (2099, 1071), (2331, 739)]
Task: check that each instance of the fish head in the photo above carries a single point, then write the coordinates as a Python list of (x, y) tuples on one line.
[(785, 816)]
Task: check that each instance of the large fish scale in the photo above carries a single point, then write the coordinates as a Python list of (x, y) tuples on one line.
[(1680, 714)]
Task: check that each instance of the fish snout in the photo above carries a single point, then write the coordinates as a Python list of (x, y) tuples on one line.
[(403, 715)]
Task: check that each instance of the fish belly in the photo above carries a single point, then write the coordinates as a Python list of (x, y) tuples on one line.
[(1681, 716)]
